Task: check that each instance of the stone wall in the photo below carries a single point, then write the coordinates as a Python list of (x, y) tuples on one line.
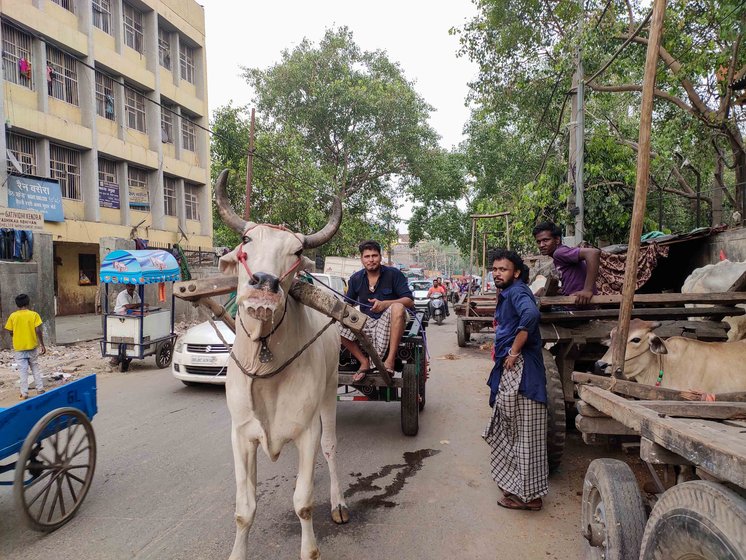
[(732, 242)]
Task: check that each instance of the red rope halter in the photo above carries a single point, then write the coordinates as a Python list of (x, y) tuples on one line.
[(242, 256)]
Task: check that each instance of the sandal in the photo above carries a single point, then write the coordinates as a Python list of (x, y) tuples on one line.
[(513, 502), (360, 375)]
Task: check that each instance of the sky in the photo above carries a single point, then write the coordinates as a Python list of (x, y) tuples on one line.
[(412, 32)]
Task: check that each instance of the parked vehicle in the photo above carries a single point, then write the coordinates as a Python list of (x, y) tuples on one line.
[(419, 291), (341, 266), (437, 308), (334, 281)]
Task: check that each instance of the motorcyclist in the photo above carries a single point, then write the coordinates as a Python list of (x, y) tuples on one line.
[(441, 289)]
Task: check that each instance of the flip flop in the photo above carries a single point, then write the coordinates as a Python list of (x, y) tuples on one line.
[(360, 375), (512, 502)]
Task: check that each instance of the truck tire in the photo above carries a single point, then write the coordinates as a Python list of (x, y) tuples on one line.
[(410, 406), (463, 335), (612, 515), (698, 519), (556, 420)]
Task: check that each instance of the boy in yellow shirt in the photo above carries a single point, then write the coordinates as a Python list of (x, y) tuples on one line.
[(25, 327)]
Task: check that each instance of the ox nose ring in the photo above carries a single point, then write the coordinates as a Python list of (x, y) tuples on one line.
[(599, 368)]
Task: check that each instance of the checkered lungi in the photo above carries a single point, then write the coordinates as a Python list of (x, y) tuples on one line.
[(517, 433), (377, 330)]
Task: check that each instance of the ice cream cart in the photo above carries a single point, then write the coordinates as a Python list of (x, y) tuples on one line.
[(147, 330)]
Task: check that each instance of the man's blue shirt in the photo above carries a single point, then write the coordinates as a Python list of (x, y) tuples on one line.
[(392, 284), (517, 311)]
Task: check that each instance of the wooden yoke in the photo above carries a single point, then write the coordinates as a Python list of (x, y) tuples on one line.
[(199, 292)]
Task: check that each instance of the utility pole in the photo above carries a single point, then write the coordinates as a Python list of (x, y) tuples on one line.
[(641, 188), (575, 203), (249, 169)]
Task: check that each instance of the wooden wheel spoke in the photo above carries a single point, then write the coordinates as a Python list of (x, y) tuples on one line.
[(83, 466), (54, 505), (71, 438), (46, 495), (70, 487), (38, 479), (78, 452), (71, 475), (61, 494)]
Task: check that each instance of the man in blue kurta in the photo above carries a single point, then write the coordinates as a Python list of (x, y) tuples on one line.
[(384, 295), (517, 431)]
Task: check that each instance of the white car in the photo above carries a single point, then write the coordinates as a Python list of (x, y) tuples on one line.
[(200, 356), (419, 291)]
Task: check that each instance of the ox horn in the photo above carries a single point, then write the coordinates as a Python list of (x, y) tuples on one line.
[(229, 216), (327, 232)]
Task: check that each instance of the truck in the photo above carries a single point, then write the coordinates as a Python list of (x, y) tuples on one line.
[(341, 266)]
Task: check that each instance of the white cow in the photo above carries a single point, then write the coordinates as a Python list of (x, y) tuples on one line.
[(687, 364), (718, 278), (296, 402)]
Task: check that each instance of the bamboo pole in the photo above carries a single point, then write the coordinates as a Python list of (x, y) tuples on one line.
[(641, 188), (249, 170), (471, 264)]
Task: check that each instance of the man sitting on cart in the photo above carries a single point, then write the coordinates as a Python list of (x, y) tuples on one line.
[(384, 295), (127, 300), (578, 266)]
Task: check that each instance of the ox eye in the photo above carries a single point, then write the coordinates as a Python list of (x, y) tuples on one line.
[(299, 252), (636, 340), (245, 239)]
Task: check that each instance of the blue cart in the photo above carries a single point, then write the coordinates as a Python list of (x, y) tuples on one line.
[(53, 438)]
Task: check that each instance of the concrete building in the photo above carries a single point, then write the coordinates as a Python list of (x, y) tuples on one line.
[(103, 102)]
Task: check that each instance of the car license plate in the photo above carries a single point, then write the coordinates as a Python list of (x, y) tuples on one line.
[(204, 359)]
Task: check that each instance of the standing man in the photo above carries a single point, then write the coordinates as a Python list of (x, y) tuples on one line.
[(441, 289), (28, 343), (578, 266), (517, 431), (384, 295)]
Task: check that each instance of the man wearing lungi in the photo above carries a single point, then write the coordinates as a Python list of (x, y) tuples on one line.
[(384, 295), (517, 431)]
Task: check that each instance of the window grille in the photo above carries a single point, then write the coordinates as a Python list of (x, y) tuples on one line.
[(191, 201), (102, 15), (104, 96), (188, 134), (67, 4), (134, 108), (63, 78), (137, 181), (16, 50), (133, 28), (186, 60), (23, 149), (164, 48), (167, 124), (169, 195), (107, 171), (64, 165)]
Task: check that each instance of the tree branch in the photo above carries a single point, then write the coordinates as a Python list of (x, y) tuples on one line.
[(658, 93), (725, 100)]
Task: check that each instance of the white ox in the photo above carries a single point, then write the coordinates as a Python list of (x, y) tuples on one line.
[(718, 278), (687, 364), (297, 404)]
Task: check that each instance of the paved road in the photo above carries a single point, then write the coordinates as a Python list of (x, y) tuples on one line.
[(164, 485)]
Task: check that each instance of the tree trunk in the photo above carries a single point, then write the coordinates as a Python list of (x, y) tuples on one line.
[(739, 159)]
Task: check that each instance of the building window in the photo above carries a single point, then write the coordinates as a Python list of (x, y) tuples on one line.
[(67, 4), (186, 61), (87, 269), (107, 171), (188, 135), (169, 195), (17, 56), (191, 201), (137, 183), (167, 124), (102, 15), (64, 165), (134, 109), (164, 48), (133, 27), (23, 149), (104, 96), (62, 75)]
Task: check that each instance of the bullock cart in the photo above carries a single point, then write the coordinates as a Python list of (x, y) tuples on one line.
[(704, 518), (51, 446), (409, 389), (474, 314)]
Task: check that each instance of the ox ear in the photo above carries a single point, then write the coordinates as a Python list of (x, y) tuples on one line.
[(228, 264), (657, 346), (606, 343), (307, 264)]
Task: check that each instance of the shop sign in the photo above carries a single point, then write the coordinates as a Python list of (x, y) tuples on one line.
[(36, 194), (28, 220), (108, 195)]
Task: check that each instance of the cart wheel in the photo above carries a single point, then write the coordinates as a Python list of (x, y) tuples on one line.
[(124, 364), (164, 353), (556, 421), (410, 408), (612, 512), (463, 335), (696, 520), (55, 468)]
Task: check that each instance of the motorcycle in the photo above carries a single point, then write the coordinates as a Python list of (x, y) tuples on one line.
[(437, 308)]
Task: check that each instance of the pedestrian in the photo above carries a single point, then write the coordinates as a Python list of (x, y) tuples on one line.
[(517, 430), (28, 342)]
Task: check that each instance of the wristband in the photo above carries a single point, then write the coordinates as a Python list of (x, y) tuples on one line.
[(513, 355)]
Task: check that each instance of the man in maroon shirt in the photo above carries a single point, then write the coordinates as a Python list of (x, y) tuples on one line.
[(578, 266)]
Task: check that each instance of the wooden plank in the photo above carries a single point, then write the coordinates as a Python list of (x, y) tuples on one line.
[(656, 455), (700, 409), (625, 411), (587, 410), (595, 439), (731, 297), (193, 290), (716, 447), (598, 331), (606, 426), (646, 392), (643, 313)]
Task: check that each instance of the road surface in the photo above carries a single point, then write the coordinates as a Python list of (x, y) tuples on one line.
[(164, 486)]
